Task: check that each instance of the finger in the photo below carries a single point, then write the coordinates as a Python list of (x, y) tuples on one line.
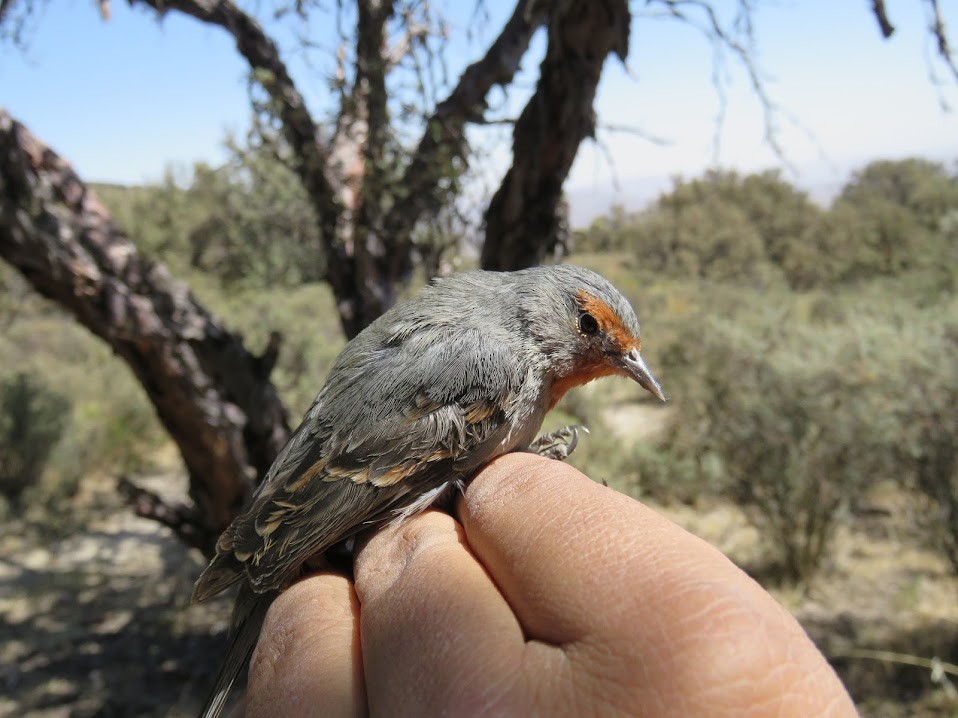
[(308, 658), (438, 637), (637, 601), (572, 556)]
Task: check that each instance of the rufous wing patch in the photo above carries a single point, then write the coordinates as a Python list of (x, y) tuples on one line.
[(304, 478), (336, 473), (422, 405), (479, 411), (397, 473)]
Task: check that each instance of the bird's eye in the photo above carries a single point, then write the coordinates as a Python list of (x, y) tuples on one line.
[(588, 324)]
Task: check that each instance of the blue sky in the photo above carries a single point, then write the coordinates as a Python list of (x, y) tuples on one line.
[(126, 98)]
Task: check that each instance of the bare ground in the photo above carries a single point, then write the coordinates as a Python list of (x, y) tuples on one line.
[(98, 624)]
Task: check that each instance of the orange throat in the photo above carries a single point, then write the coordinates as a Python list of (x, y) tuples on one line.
[(583, 376)]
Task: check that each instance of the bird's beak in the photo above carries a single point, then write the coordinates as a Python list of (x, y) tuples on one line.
[(635, 367)]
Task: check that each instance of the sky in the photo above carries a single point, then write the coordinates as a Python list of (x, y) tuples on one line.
[(125, 99)]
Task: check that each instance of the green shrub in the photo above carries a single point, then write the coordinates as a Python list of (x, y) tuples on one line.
[(112, 426), (891, 218), (787, 417), (665, 473), (935, 466), (32, 419), (926, 407)]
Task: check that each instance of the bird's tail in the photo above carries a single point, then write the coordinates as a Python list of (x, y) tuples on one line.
[(248, 614)]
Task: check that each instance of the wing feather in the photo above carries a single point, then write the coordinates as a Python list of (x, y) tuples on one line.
[(394, 421)]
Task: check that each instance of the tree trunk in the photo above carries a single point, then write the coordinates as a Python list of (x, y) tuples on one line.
[(368, 255), (524, 220), (212, 396)]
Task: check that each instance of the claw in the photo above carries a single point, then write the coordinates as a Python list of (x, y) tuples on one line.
[(558, 444)]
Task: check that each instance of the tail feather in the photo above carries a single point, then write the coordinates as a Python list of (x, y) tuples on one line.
[(248, 615), (224, 571)]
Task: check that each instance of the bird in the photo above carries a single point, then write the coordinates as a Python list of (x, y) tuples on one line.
[(414, 406)]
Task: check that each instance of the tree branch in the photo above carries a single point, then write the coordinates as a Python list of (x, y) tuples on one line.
[(184, 521), (523, 220), (937, 29), (881, 15), (444, 141), (941, 37), (369, 105), (737, 37), (299, 129), (210, 394)]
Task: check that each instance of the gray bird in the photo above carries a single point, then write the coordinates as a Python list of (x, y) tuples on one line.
[(414, 406)]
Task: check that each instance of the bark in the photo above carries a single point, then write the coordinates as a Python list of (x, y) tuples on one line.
[(368, 254), (212, 396), (384, 242), (523, 220), (444, 140), (369, 100), (312, 163)]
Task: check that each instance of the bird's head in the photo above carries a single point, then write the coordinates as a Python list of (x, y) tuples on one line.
[(586, 328)]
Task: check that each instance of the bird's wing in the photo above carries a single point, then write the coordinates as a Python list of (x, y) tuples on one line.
[(392, 422)]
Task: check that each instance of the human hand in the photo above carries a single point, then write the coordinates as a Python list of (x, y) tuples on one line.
[(553, 596)]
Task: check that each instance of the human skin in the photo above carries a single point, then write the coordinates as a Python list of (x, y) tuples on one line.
[(549, 594)]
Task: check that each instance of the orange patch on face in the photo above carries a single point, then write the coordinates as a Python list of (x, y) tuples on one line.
[(608, 322)]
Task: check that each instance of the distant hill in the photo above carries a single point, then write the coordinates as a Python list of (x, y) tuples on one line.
[(635, 194)]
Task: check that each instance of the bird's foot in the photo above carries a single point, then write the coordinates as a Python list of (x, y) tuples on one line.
[(558, 444)]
